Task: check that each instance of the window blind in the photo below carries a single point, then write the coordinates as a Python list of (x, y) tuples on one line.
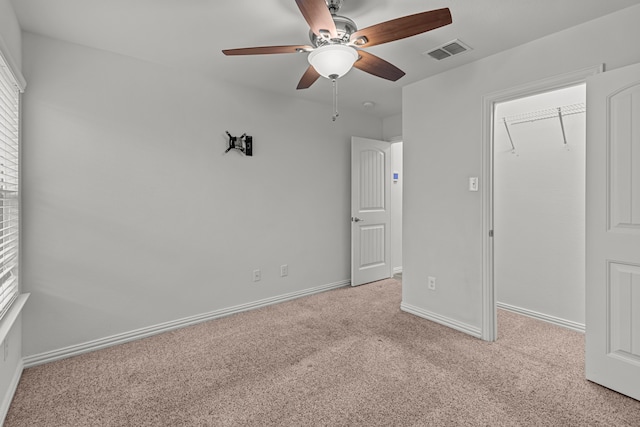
[(9, 186)]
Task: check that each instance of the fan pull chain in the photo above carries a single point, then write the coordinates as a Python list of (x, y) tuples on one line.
[(334, 79)]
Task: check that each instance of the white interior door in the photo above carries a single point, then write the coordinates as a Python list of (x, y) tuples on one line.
[(613, 230), (370, 210)]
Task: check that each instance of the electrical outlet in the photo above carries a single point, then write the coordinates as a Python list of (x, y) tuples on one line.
[(284, 270), (257, 275), (431, 283)]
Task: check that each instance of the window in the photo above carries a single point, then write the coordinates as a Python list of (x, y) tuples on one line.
[(9, 196)]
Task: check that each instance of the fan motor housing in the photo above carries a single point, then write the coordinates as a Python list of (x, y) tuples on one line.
[(345, 28)]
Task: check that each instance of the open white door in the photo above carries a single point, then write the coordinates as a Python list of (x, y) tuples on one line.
[(613, 230), (370, 215)]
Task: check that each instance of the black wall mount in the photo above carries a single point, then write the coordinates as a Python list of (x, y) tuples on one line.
[(243, 143)]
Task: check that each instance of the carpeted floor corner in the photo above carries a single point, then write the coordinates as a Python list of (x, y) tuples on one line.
[(347, 357)]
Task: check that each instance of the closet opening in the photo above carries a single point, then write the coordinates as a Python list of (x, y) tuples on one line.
[(539, 163)]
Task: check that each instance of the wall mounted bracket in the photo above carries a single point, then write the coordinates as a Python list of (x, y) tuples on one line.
[(243, 143)]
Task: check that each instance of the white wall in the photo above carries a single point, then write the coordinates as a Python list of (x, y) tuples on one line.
[(10, 33), (392, 127), (11, 367), (442, 146), (133, 215), (539, 208)]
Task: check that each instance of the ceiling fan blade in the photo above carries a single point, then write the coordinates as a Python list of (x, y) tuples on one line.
[(401, 28), (377, 66), (318, 17), (267, 50), (308, 78)]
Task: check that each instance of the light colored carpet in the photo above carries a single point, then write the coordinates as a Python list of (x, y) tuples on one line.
[(347, 357)]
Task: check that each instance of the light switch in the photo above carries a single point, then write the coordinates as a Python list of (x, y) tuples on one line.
[(473, 183)]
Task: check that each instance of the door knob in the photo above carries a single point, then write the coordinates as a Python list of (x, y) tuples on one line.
[(356, 219)]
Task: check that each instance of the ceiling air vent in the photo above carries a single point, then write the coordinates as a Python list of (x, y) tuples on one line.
[(448, 49)]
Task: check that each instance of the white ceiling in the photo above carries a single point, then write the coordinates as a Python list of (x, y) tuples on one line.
[(191, 34)]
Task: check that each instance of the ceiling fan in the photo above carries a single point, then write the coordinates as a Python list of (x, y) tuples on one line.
[(336, 43)]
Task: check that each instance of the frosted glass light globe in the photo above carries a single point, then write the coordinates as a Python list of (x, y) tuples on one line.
[(333, 60)]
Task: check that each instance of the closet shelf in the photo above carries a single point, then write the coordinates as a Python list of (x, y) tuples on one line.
[(548, 113)]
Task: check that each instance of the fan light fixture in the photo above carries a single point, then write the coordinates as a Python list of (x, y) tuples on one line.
[(336, 42), (333, 61)]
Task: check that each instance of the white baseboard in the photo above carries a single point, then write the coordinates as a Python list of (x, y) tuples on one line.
[(579, 327), (451, 323), (11, 391), (75, 350), (397, 270)]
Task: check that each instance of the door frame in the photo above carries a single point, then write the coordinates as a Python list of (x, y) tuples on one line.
[(392, 206), (489, 327)]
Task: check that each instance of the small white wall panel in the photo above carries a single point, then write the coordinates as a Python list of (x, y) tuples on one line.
[(372, 245), (624, 310), (624, 160), (372, 197)]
